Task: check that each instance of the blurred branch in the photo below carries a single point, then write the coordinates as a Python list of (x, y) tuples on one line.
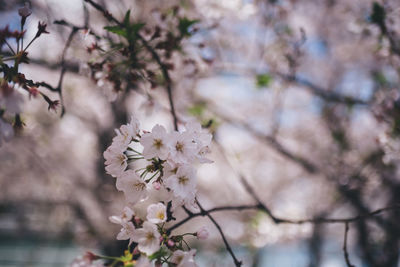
[(228, 247), (63, 67), (273, 143), (153, 53), (319, 91), (323, 93), (345, 252), (281, 220)]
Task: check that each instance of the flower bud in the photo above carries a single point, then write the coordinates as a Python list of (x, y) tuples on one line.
[(24, 12), (89, 256), (202, 233), (156, 185), (170, 243)]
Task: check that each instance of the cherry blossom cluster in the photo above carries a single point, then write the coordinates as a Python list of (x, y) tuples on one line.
[(12, 81), (157, 168)]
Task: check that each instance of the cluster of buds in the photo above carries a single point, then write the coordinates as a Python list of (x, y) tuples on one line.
[(167, 174), (12, 80)]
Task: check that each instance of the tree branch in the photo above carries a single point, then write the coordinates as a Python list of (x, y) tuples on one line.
[(228, 247), (345, 252)]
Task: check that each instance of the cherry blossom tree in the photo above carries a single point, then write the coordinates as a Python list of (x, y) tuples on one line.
[(277, 119)]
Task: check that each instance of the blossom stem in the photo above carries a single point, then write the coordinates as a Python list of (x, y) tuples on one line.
[(144, 174), (133, 150), (34, 38), (152, 176), (9, 46), (22, 38), (9, 58)]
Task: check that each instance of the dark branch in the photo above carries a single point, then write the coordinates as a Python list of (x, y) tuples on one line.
[(323, 93), (153, 53), (345, 252), (228, 247)]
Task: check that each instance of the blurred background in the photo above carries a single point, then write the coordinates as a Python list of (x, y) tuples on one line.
[(303, 101)]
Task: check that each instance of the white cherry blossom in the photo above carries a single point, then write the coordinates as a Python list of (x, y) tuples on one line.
[(133, 186), (202, 139), (125, 217), (189, 202), (6, 131), (201, 155), (184, 258), (200, 136), (183, 182), (155, 143), (170, 168), (148, 238), (116, 161), (125, 133), (156, 213), (182, 148), (127, 232)]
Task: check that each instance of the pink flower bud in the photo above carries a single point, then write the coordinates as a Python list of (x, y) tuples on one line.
[(202, 233), (89, 256), (135, 251), (156, 185), (25, 11), (171, 243), (137, 220), (161, 239)]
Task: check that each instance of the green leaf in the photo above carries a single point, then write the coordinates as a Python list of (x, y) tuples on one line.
[(380, 78), (127, 16), (184, 25), (263, 80), (132, 30), (136, 27), (197, 110), (117, 30), (162, 252)]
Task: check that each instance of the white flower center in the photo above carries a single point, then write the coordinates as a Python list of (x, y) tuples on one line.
[(149, 236), (139, 186), (121, 159), (183, 180), (158, 143), (160, 215), (179, 147)]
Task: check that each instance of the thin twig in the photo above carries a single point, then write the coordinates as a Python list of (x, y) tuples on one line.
[(153, 53), (9, 46), (64, 68), (228, 247), (345, 252)]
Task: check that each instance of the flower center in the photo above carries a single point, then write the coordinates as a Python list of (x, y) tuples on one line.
[(179, 259), (160, 215), (183, 180), (179, 147), (121, 159), (126, 135), (149, 236), (158, 143), (139, 186)]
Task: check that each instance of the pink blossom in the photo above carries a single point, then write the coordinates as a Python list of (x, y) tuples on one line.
[(202, 233), (155, 143)]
